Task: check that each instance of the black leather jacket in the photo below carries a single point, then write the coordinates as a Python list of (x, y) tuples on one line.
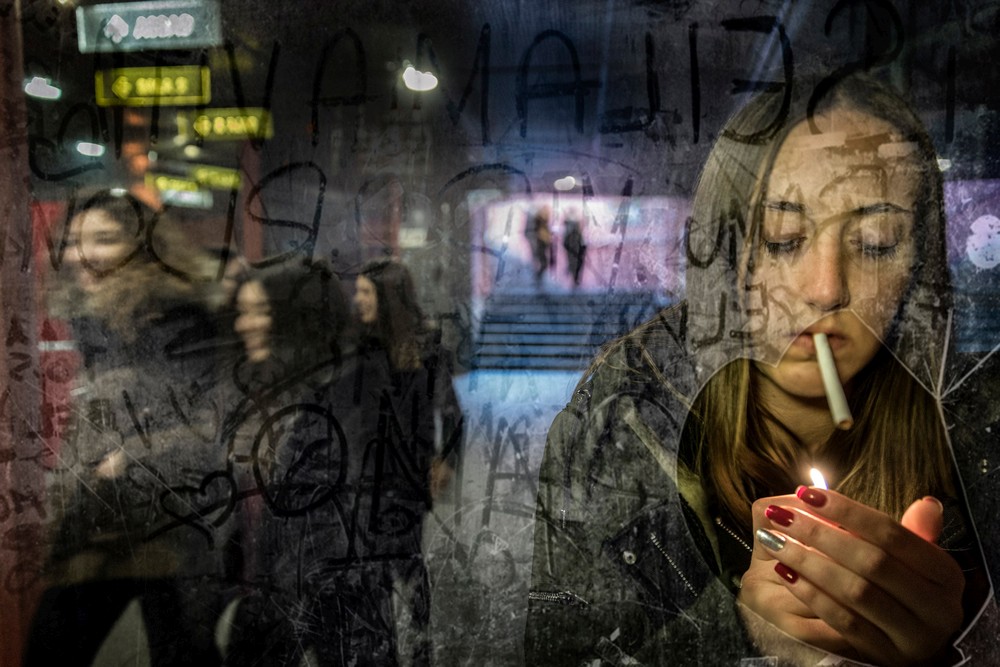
[(631, 564)]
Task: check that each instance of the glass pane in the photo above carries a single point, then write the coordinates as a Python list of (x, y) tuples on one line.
[(294, 291)]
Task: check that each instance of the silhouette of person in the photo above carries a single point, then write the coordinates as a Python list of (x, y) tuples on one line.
[(539, 232), (576, 249)]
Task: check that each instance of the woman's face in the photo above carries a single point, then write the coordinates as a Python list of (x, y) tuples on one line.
[(253, 323), (836, 246), (366, 300), (97, 245)]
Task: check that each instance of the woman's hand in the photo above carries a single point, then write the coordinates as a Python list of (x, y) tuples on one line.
[(867, 581), (768, 597)]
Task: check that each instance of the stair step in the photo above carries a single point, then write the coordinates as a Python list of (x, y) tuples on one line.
[(556, 331), (515, 337), (564, 350), (531, 363)]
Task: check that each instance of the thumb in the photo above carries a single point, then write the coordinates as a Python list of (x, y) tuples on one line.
[(925, 517)]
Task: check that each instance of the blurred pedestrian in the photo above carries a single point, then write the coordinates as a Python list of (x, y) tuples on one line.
[(539, 233), (137, 490), (420, 433), (576, 249)]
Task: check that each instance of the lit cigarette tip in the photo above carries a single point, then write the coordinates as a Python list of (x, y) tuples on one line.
[(835, 397), (817, 478)]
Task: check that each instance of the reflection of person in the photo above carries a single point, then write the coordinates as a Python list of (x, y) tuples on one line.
[(291, 319), (576, 249), (419, 410), (301, 427), (293, 315), (132, 523), (688, 437), (539, 233)]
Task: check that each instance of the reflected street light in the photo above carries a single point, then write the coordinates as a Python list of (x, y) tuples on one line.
[(42, 88), (419, 81), (89, 149)]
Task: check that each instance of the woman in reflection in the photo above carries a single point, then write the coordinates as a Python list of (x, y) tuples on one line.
[(297, 438), (418, 442), (139, 488), (292, 321), (673, 524)]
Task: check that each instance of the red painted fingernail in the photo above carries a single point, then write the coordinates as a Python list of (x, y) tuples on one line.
[(779, 515), (811, 496), (786, 573), (935, 501)]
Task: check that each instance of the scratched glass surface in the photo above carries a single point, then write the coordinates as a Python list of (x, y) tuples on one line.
[(224, 413)]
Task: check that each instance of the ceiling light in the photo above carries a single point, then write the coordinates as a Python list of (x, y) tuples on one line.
[(89, 149), (419, 81), (41, 88), (565, 184)]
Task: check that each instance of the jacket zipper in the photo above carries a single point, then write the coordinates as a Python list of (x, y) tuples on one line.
[(562, 597), (732, 533), (663, 552)]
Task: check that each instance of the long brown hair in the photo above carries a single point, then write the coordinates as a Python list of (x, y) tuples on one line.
[(309, 311), (400, 321), (896, 452), (898, 449)]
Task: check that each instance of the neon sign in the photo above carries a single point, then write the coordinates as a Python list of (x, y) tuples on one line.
[(163, 24), (216, 178), (148, 86), (226, 124)]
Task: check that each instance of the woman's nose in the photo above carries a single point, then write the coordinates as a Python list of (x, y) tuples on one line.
[(824, 276)]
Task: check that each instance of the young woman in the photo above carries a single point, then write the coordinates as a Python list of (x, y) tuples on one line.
[(393, 326), (130, 523), (297, 438), (673, 524), (417, 450)]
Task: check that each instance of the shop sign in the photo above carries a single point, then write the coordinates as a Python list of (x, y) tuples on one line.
[(185, 85), (143, 26)]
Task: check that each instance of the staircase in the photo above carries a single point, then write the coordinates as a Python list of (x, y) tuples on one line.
[(556, 331)]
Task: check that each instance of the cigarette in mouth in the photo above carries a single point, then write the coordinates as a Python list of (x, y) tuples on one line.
[(835, 397)]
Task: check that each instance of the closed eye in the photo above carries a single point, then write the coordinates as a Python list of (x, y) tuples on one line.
[(878, 251), (881, 207), (782, 248)]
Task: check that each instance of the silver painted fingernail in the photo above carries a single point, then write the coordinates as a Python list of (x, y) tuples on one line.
[(772, 541)]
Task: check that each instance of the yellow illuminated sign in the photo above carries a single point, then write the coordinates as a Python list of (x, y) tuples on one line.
[(226, 124), (216, 178), (165, 183), (185, 85)]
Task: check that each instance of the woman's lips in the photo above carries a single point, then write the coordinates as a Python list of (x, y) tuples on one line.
[(804, 341)]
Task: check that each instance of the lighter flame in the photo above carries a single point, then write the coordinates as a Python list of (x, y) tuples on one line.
[(817, 478)]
